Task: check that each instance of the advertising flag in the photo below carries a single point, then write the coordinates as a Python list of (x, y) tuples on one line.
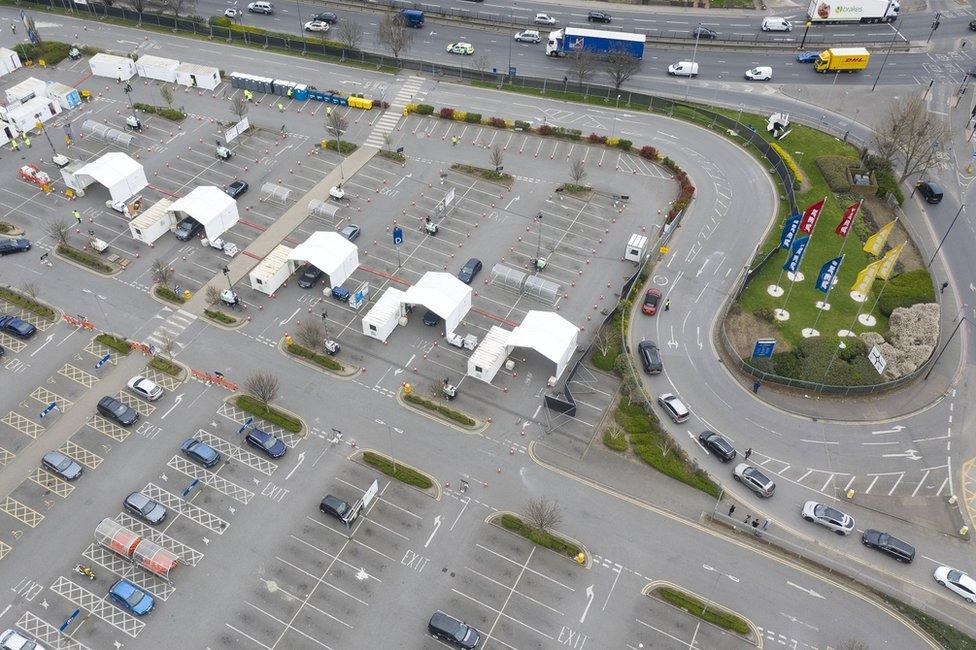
[(827, 274), (796, 255), (850, 214), (789, 230), (889, 260), (866, 277), (875, 243), (810, 216)]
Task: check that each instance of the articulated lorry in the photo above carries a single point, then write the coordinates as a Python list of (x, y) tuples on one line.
[(853, 11), (842, 59), (595, 41)]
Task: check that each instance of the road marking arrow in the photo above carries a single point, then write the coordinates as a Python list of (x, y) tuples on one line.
[(698, 337), (589, 601), (301, 459), (179, 398), (910, 454), (810, 592), (672, 342), (894, 429), (286, 320), (437, 525), (509, 206), (41, 346)]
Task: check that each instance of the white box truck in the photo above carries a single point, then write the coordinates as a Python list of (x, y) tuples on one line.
[(853, 11)]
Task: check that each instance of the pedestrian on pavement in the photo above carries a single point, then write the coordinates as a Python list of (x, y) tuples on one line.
[(755, 527), (748, 453), (667, 305), (325, 315), (731, 509), (281, 107), (755, 386), (943, 288), (282, 129), (77, 216), (27, 141), (746, 520)]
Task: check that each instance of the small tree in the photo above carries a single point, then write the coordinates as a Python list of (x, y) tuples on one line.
[(388, 141), (542, 514), (910, 137), (335, 124), (30, 289), (311, 334), (212, 295), (263, 386), (167, 93), (179, 7), (481, 63), (393, 34), (164, 345), (496, 157), (162, 272), (620, 66), (58, 231), (350, 33), (577, 170), (581, 66), (238, 106)]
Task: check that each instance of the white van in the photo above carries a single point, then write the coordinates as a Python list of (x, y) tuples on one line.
[(683, 69), (776, 25), (260, 7), (760, 73)]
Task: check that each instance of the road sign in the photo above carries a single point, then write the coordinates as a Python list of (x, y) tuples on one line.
[(47, 410), (764, 348), (190, 487), (877, 360), (397, 236), (101, 362), (370, 493), (511, 71), (246, 424)]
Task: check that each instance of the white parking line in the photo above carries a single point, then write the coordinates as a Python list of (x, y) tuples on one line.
[(248, 636), (492, 580)]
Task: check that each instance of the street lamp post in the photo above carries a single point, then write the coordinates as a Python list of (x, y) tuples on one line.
[(226, 272), (390, 429), (694, 53), (301, 25), (805, 32), (538, 246), (891, 44), (935, 25), (718, 576), (511, 19), (942, 241)]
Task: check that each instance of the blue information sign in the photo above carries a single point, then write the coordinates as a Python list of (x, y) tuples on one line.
[(764, 348), (101, 362), (47, 409), (246, 424), (397, 236)]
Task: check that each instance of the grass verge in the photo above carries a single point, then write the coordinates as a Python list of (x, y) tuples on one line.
[(343, 147), (171, 114), (166, 366), (943, 633), (6, 227), (548, 540), (613, 439), (392, 155), (22, 301), (401, 473), (268, 413), (440, 409), (696, 607), (85, 259), (323, 360), (487, 174), (168, 294), (119, 345), (219, 316)]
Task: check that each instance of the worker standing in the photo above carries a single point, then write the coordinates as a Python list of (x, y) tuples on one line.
[(281, 107), (77, 216), (27, 141), (13, 144)]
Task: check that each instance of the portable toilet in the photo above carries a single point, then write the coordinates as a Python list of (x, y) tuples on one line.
[(636, 248), (301, 92)]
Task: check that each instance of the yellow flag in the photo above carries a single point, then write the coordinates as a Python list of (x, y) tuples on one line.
[(866, 277), (875, 243), (889, 260)]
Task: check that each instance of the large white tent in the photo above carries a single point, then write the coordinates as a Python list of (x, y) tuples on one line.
[(120, 174), (382, 318), (443, 294), (549, 334), (330, 253), (211, 207)]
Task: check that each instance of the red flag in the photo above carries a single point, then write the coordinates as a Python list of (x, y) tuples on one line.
[(810, 216), (847, 220)]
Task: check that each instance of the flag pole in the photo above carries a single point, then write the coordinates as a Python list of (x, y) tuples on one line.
[(786, 301), (826, 300)]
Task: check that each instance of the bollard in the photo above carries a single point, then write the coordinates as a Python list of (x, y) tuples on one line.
[(964, 531), (581, 558), (850, 494)]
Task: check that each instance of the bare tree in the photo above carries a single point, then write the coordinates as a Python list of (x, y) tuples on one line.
[(138, 6), (179, 6), (603, 342), (393, 34), (620, 66), (350, 33), (311, 334), (543, 514), (263, 386), (388, 141), (496, 157), (238, 106), (165, 344), (577, 170), (335, 124), (58, 231), (481, 63), (167, 94), (666, 445), (910, 137), (581, 66), (162, 272), (30, 289), (212, 295)]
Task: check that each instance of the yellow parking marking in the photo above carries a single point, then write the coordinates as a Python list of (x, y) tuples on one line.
[(81, 455), (78, 375), (11, 343), (141, 407), (161, 379), (22, 424), (113, 431), (50, 482), (21, 512), (45, 397)]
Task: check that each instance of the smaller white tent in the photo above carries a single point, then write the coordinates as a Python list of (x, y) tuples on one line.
[(549, 334), (211, 207), (272, 271), (151, 224), (120, 68), (156, 67), (382, 318), (488, 357), (443, 294), (29, 88), (9, 61), (26, 116), (330, 253), (198, 76), (122, 176)]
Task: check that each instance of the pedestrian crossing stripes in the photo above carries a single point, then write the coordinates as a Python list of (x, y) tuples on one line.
[(388, 121), (173, 325)]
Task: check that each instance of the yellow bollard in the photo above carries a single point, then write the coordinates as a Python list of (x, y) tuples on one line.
[(964, 530), (407, 389), (850, 494), (187, 295), (288, 340), (581, 558)]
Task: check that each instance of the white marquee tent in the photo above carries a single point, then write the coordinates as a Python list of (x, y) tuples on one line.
[(382, 318), (209, 205), (329, 252), (120, 174), (549, 334), (443, 294)]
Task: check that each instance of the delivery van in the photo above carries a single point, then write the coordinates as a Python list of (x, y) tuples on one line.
[(413, 18), (683, 69), (842, 59)]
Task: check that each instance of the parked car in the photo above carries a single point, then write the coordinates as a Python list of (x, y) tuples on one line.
[(469, 270), (116, 411), (451, 630), (237, 189), (188, 228), (150, 511), (17, 327), (131, 598), (930, 191), (460, 48), (61, 465), (652, 298), (774, 24), (956, 581), (703, 32), (8, 246), (760, 73), (431, 319), (232, 13), (674, 407), (754, 479), (350, 232), (147, 389), (828, 517), (805, 56), (14, 640), (716, 444), (316, 26), (598, 17), (544, 19), (334, 506), (260, 7), (889, 545), (200, 452), (972, 25), (650, 357), (326, 17), (528, 36), (309, 277), (266, 442)]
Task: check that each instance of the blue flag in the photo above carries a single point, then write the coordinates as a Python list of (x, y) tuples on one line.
[(796, 254), (789, 230), (827, 274)]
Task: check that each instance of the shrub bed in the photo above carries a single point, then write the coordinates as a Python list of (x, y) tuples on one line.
[(449, 413), (119, 345), (323, 360), (836, 171), (343, 147), (171, 114), (790, 163), (548, 540), (573, 188), (6, 227), (164, 365), (401, 473), (906, 290), (696, 607), (613, 439), (392, 155), (269, 413), (85, 259), (809, 361), (53, 52), (487, 174), (22, 301), (425, 109), (168, 294), (219, 316)]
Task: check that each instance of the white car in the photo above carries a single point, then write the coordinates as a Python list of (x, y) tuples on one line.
[(317, 26), (544, 19), (760, 73), (460, 48), (775, 24), (145, 388), (828, 517), (957, 581), (528, 36), (14, 640), (232, 13)]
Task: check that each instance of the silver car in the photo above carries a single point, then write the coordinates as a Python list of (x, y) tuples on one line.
[(832, 518), (145, 388), (61, 465)]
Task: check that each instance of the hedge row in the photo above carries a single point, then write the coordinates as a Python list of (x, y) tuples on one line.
[(119, 345), (219, 316), (323, 360), (85, 259), (22, 301), (790, 163), (696, 607), (487, 174), (163, 364), (171, 114), (343, 147), (836, 171), (449, 413), (258, 409), (809, 361), (6, 227), (401, 473), (906, 290), (392, 155), (164, 292), (548, 540)]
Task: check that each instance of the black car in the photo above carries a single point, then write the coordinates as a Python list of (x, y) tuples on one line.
[(469, 270), (650, 357), (718, 445), (930, 191), (309, 277), (151, 512), (17, 327), (8, 246), (201, 452), (972, 25), (115, 410), (335, 506), (236, 189), (326, 17), (598, 17), (704, 32), (266, 442), (431, 319), (188, 228), (889, 545), (57, 463), (449, 629)]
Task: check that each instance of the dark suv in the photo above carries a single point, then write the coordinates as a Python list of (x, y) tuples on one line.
[(449, 629), (326, 17), (335, 506), (889, 545), (598, 17), (718, 445), (188, 228), (650, 357), (930, 191), (115, 410)]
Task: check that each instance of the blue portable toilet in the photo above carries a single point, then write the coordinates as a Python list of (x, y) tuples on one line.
[(300, 93)]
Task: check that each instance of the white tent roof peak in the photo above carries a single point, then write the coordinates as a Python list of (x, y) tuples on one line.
[(439, 292), (110, 167), (547, 333), (329, 252), (203, 202)]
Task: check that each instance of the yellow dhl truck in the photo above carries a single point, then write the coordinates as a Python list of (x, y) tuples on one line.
[(842, 59)]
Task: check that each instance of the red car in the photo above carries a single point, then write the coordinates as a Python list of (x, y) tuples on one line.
[(651, 300)]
